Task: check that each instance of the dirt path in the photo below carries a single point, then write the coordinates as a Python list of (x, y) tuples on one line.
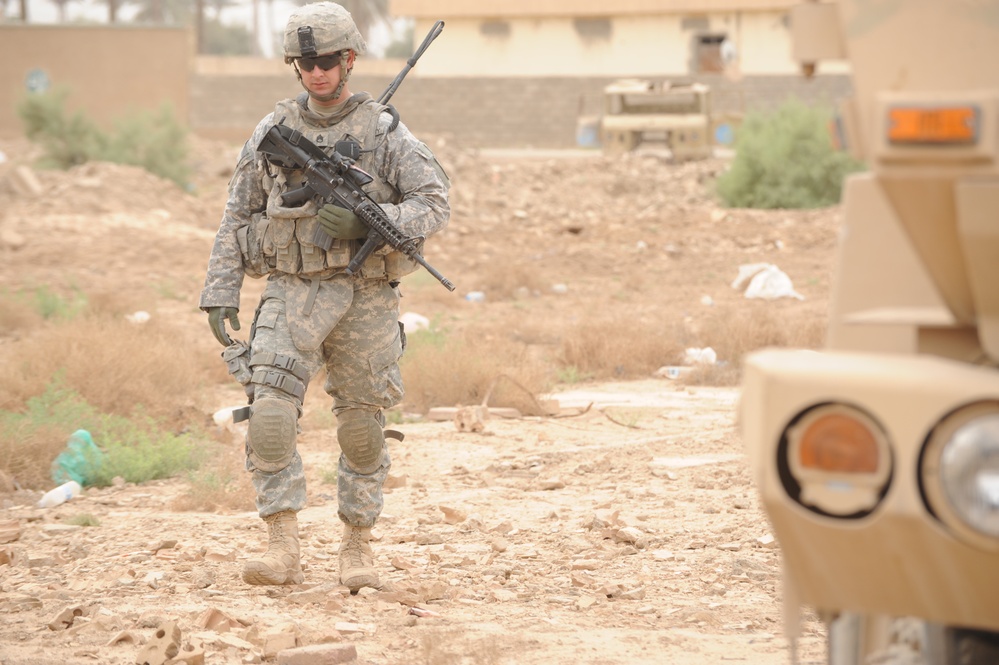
[(559, 541)]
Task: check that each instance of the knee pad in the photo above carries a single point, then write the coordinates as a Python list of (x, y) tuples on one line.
[(361, 439), (270, 437)]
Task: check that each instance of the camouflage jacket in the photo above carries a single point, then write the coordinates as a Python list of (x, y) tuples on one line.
[(258, 237)]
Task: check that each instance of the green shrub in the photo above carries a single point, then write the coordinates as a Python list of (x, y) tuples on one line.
[(51, 305), (136, 448), (68, 140), (785, 159), (154, 141)]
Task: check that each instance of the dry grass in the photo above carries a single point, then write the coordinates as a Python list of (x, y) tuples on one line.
[(19, 316), (466, 370), (222, 484), (614, 349), (116, 366), (448, 369), (78, 363), (26, 455)]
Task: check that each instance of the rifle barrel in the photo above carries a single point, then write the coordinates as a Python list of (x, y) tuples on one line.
[(431, 36)]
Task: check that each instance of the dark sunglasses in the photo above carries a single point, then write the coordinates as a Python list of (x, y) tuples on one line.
[(325, 62)]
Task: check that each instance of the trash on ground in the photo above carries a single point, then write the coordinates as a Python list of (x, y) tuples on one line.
[(80, 461), (412, 322), (695, 356), (60, 495), (766, 281)]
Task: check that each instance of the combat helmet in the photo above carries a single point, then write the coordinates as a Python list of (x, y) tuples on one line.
[(321, 28)]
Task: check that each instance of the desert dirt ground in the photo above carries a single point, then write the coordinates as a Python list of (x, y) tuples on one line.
[(623, 529)]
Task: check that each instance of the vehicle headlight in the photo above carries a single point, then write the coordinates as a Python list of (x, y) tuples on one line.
[(960, 472)]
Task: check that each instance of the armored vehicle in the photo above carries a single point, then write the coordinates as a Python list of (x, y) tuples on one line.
[(877, 457), (677, 115)]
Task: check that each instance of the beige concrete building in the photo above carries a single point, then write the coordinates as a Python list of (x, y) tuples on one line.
[(642, 38)]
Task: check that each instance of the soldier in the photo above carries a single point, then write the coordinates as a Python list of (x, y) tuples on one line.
[(312, 314)]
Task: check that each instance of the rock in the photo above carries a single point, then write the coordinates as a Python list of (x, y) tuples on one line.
[(504, 528), (632, 535), (453, 515), (10, 530), (124, 636), (503, 595), (400, 563), (318, 654), (65, 618), (551, 484), (217, 620), (470, 418), (233, 641), (190, 654), (279, 638), (586, 564), (164, 645), (350, 627), (766, 541)]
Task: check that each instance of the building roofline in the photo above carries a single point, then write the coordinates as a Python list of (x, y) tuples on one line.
[(439, 9)]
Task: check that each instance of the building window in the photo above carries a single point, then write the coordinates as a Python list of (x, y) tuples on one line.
[(495, 28), (708, 54), (593, 28), (694, 23)]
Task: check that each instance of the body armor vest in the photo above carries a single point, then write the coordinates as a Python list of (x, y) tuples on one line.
[(280, 238)]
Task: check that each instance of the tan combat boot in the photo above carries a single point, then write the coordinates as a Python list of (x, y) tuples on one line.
[(280, 563), (357, 564)]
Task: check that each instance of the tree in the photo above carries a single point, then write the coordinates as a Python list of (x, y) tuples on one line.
[(218, 5), (367, 14), (221, 39), (160, 12), (61, 8), (402, 45)]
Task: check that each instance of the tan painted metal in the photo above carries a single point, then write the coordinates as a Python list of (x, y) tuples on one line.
[(678, 115), (914, 319)]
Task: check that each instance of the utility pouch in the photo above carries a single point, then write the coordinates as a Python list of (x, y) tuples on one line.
[(237, 360), (253, 245)]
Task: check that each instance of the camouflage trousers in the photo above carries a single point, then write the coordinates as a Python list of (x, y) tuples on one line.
[(350, 327)]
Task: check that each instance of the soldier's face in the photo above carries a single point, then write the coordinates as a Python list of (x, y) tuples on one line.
[(320, 81)]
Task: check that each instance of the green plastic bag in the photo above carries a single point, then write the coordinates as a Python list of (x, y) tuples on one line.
[(80, 461)]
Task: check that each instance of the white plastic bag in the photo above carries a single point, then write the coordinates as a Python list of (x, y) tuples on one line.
[(767, 282), (705, 356)]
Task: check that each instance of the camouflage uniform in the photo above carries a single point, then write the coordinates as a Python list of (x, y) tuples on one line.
[(312, 314)]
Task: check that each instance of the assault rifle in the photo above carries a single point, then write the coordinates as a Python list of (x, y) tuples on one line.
[(336, 179)]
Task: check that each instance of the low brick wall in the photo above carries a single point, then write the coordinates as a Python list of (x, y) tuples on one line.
[(483, 112)]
